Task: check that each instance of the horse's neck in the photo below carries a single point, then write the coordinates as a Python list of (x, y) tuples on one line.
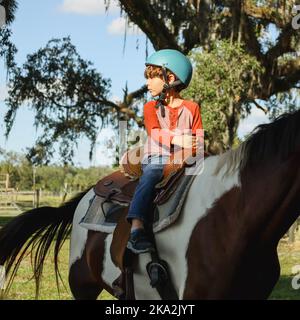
[(264, 202), (209, 187), (271, 196)]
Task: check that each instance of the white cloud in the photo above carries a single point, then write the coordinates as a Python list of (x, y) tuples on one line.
[(88, 7), (256, 118), (3, 93), (117, 27)]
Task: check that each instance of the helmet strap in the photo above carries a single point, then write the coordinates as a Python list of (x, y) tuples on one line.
[(166, 87)]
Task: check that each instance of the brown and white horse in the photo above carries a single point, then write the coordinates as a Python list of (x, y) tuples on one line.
[(223, 245)]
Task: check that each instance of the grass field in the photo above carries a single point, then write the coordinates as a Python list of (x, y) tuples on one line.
[(24, 287), (289, 257)]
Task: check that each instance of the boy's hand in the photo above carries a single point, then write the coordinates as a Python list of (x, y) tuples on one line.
[(186, 141)]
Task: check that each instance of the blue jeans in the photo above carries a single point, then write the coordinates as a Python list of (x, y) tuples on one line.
[(142, 201)]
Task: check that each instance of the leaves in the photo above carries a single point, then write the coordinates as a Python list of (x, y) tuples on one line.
[(221, 81), (67, 94), (189, 24), (7, 48), (51, 177), (69, 97)]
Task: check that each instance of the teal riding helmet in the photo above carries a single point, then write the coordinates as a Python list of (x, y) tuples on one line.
[(174, 61)]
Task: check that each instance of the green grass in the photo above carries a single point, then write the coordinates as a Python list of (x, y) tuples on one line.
[(289, 256), (23, 287)]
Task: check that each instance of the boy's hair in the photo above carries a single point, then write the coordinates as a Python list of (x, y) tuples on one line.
[(156, 71)]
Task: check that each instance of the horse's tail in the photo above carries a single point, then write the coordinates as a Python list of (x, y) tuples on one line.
[(33, 232)]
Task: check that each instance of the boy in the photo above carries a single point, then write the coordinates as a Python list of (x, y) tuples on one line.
[(167, 73)]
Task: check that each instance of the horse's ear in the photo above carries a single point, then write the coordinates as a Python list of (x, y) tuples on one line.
[(119, 241)]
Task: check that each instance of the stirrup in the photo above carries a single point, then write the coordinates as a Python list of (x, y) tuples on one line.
[(158, 273)]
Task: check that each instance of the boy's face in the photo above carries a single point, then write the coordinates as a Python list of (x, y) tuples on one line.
[(155, 86)]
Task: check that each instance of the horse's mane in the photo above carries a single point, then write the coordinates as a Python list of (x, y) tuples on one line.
[(276, 139)]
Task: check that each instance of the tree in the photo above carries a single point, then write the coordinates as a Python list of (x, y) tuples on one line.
[(188, 24), (49, 177), (18, 168), (68, 96), (7, 48), (184, 25), (222, 79)]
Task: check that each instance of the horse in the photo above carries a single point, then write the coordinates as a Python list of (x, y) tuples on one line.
[(222, 246)]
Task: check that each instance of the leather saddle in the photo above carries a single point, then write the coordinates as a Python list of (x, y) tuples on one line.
[(120, 185)]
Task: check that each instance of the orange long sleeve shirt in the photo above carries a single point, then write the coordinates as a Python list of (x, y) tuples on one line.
[(184, 119)]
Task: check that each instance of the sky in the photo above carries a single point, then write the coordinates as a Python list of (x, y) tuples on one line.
[(99, 37)]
